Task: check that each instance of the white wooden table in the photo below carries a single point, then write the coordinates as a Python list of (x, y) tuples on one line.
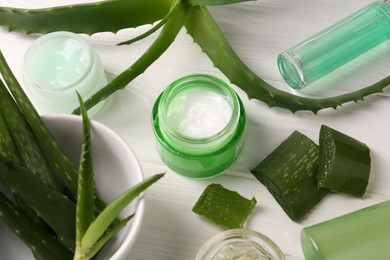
[(258, 31)]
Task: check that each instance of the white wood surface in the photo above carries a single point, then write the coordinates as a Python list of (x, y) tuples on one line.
[(258, 31)]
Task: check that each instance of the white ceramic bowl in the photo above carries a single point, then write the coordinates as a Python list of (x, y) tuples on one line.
[(116, 170)]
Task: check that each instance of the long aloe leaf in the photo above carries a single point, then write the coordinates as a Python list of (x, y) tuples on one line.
[(215, 2), (159, 46), (55, 154), (52, 206), (172, 11), (89, 18), (85, 195), (7, 145), (106, 217), (27, 148), (42, 244), (203, 29)]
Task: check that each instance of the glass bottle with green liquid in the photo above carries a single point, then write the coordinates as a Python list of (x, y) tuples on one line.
[(338, 44), (360, 235)]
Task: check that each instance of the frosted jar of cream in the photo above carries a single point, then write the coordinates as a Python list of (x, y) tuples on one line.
[(199, 123), (56, 66)]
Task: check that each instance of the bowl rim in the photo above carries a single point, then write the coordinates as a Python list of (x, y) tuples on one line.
[(132, 230)]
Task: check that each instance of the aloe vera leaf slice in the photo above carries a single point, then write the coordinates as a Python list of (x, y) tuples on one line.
[(345, 163), (42, 244), (224, 207), (106, 217), (49, 204), (89, 18), (166, 37), (290, 175)]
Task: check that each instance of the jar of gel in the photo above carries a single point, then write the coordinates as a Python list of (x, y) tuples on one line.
[(56, 66), (240, 244), (199, 122)]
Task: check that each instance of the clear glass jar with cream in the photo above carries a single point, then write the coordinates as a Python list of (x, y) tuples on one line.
[(240, 244), (56, 66), (199, 123)]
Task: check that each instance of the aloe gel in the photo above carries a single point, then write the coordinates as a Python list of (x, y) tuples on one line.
[(338, 44), (56, 66), (360, 235)]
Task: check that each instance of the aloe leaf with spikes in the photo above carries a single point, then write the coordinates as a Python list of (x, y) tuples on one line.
[(200, 26), (42, 244), (89, 18), (92, 234)]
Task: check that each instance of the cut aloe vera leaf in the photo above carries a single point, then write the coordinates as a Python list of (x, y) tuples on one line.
[(290, 175), (224, 207), (49, 204), (344, 163), (42, 244)]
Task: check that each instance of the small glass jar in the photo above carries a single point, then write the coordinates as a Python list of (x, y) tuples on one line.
[(240, 244), (56, 66), (199, 123)]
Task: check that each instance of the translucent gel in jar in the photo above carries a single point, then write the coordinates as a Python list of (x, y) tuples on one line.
[(56, 66)]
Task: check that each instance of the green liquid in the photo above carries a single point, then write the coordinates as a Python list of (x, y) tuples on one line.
[(360, 235), (336, 45)]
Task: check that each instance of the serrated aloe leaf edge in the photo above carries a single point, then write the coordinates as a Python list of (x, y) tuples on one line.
[(199, 24)]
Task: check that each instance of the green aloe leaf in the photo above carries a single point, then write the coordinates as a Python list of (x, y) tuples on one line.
[(89, 18), (158, 47), (107, 236), (86, 189), (42, 244), (215, 2), (49, 204), (172, 11), (106, 217)]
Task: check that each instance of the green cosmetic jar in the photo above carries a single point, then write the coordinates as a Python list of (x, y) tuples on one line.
[(199, 123)]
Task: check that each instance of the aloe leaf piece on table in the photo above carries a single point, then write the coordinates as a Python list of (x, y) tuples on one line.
[(42, 244), (50, 205), (290, 175), (345, 163), (89, 18)]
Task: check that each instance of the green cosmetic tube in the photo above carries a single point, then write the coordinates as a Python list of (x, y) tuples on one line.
[(338, 44), (360, 235)]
